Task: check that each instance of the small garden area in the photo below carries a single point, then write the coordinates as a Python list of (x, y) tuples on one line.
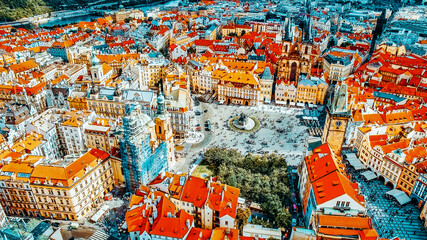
[(261, 178)]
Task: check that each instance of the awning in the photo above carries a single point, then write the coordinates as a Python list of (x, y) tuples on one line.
[(400, 196), (354, 161), (369, 175), (309, 118)]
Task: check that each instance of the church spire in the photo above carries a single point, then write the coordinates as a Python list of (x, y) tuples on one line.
[(161, 109), (288, 29), (308, 29)]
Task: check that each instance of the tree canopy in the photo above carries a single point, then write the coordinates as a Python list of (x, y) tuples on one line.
[(262, 179), (11, 10)]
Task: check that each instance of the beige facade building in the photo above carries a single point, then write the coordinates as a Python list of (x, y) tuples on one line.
[(338, 65), (66, 189), (111, 102), (71, 188), (233, 82), (100, 135), (16, 195), (306, 91)]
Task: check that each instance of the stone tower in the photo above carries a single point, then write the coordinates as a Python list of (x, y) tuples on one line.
[(337, 119), (164, 130)]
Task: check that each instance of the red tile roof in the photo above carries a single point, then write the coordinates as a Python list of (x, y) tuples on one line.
[(195, 191), (173, 227), (334, 185), (199, 234)]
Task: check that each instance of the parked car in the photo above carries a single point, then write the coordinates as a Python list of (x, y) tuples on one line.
[(198, 113)]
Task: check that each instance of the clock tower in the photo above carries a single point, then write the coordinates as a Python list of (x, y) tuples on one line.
[(337, 119), (164, 130)]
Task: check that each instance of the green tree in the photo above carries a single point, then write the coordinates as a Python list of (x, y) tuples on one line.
[(231, 179), (262, 179), (242, 217), (283, 218)]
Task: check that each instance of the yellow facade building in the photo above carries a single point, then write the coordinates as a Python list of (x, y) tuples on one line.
[(311, 91), (407, 179), (78, 103), (97, 136), (239, 88)]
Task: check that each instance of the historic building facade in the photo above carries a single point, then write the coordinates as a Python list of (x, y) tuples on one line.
[(337, 119)]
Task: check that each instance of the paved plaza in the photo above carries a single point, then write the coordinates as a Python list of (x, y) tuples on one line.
[(281, 132), (390, 219)]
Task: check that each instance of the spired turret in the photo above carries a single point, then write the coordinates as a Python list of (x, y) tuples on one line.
[(337, 119), (164, 130), (95, 61), (161, 104)]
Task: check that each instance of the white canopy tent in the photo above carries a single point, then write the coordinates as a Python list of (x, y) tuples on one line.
[(369, 175), (354, 161), (400, 196)]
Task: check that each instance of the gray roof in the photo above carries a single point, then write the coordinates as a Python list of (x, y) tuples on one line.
[(339, 101), (400, 196), (338, 60), (267, 74), (306, 82), (389, 96), (107, 92), (138, 95)]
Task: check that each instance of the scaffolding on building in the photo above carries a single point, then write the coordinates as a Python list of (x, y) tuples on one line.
[(141, 161)]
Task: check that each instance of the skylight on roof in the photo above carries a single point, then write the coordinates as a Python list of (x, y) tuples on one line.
[(9, 174), (24, 175)]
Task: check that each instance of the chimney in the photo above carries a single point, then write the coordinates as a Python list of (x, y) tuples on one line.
[(143, 213), (154, 214), (181, 180), (187, 222), (150, 220), (169, 214)]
